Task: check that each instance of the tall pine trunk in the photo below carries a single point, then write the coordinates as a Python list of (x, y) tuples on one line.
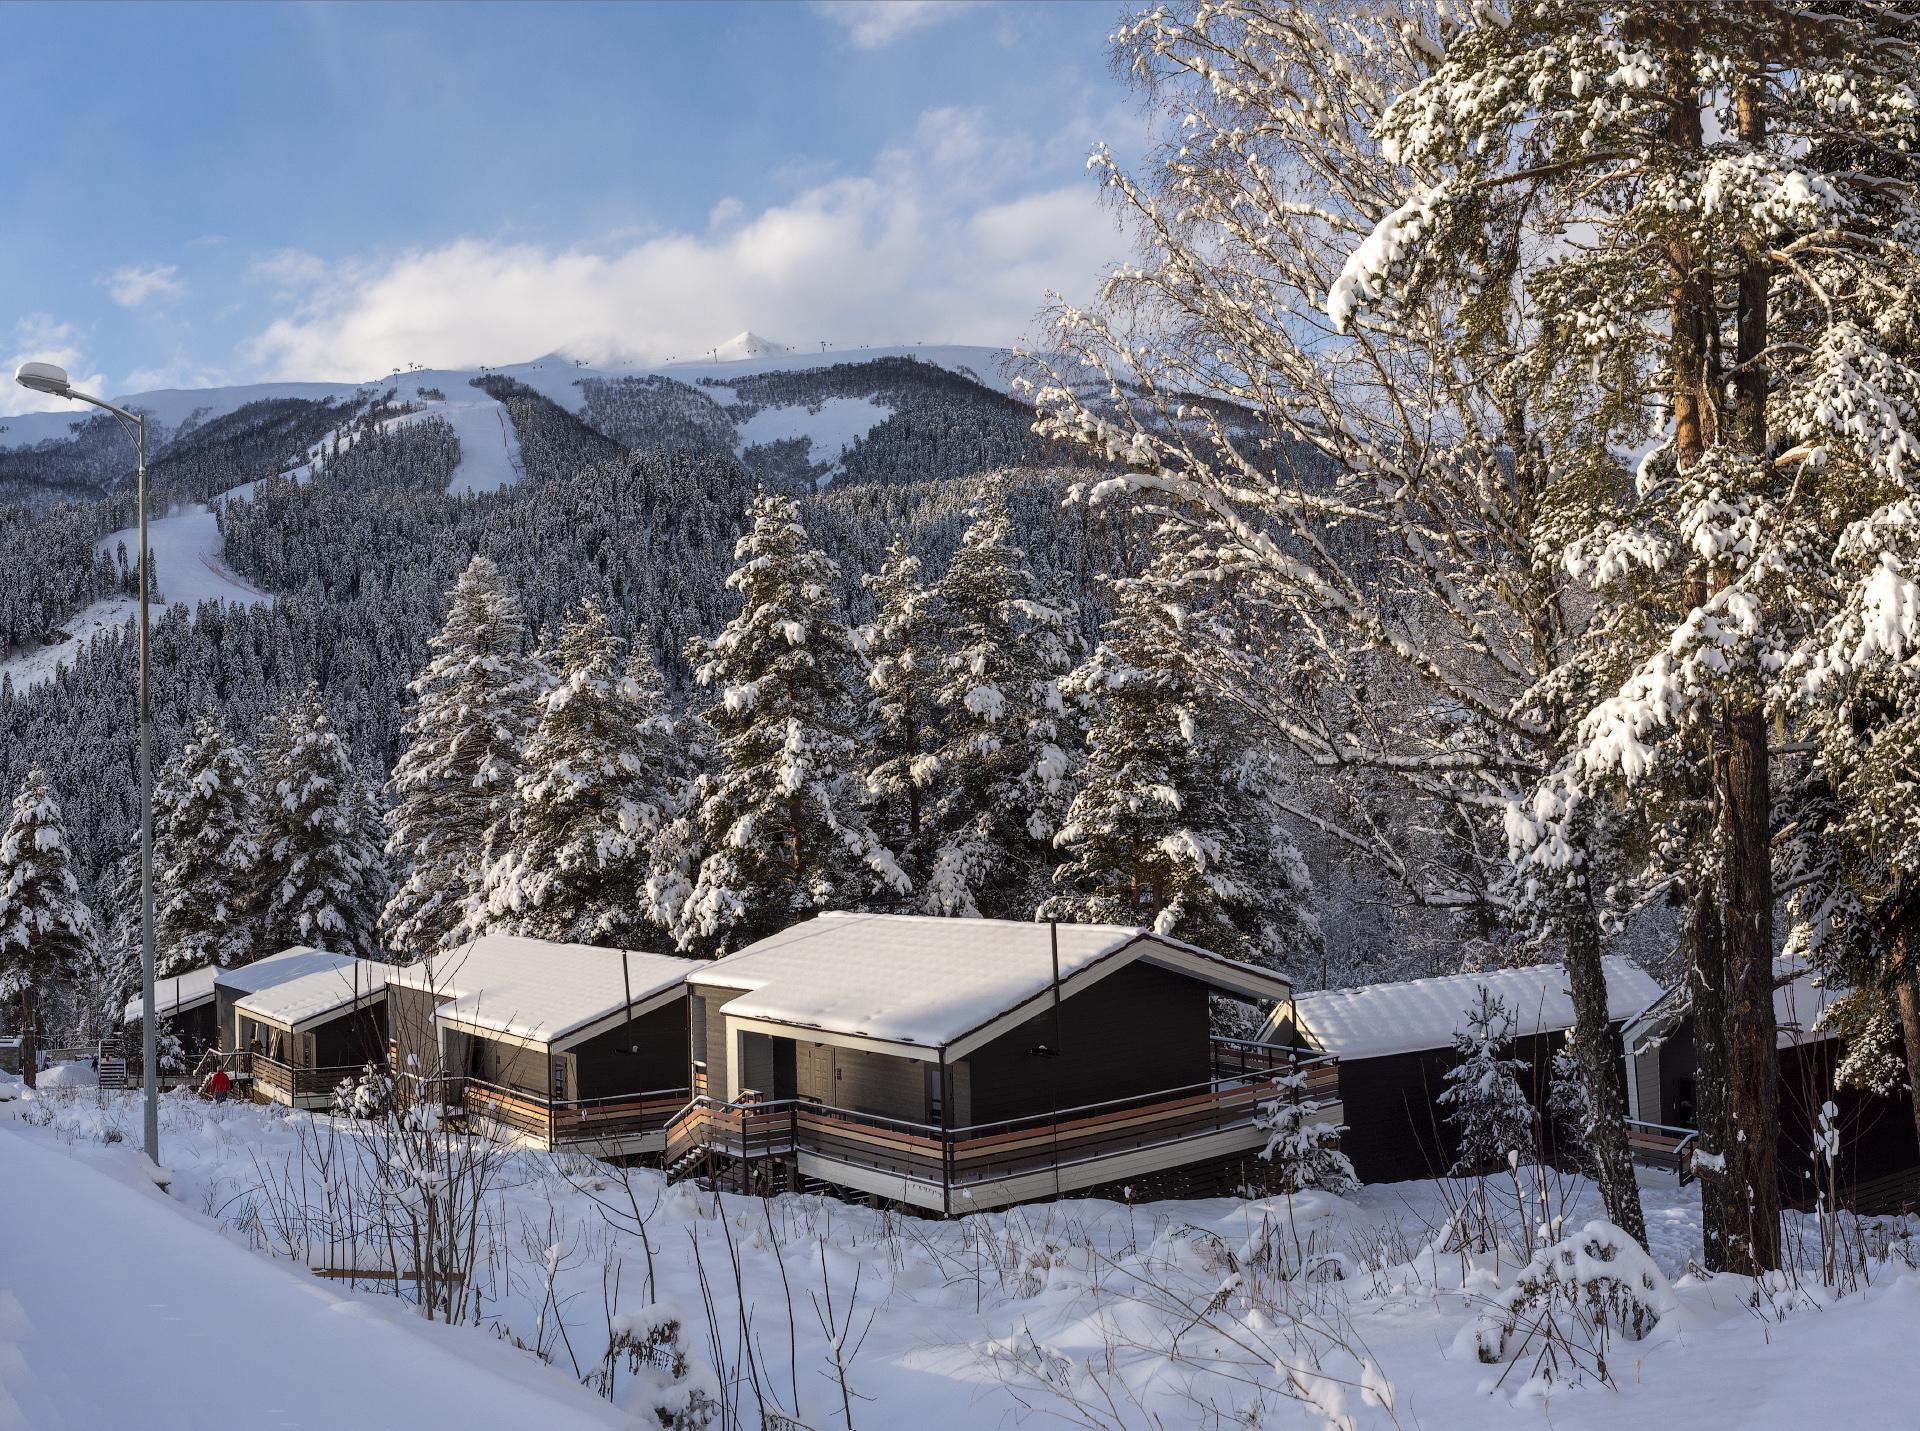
[(1600, 1071), (1707, 993), (29, 1039), (1906, 988), (1753, 1172)]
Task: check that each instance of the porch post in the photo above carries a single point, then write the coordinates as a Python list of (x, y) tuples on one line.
[(946, 1139)]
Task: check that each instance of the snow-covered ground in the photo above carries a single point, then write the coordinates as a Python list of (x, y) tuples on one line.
[(121, 1307), (1306, 1312)]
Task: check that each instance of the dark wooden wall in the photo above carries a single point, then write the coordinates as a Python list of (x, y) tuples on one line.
[(410, 1027), (1139, 1030), (198, 1030), (509, 1065), (1397, 1128), (353, 1038), (867, 1082), (641, 1057)]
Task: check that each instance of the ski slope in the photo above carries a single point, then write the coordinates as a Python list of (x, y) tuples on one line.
[(119, 1307), (188, 570)]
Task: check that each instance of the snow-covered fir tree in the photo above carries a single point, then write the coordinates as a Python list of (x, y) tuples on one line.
[(1001, 760), (206, 845), (475, 707), (1483, 1099), (602, 777), (1174, 822), (46, 930), (778, 815), (902, 644), (323, 878)]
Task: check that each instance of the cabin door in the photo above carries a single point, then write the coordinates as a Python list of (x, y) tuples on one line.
[(819, 1070)]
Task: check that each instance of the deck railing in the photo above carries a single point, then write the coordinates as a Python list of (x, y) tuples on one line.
[(956, 1159), (563, 1121), (271, 1073)]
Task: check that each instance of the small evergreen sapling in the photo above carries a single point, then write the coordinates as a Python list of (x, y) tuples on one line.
[(1305, 1151), (1483, 1097)]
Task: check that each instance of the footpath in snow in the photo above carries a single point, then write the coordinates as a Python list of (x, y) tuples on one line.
[(120, 1309)]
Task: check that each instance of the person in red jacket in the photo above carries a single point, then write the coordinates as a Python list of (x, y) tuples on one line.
[(219, 1085)]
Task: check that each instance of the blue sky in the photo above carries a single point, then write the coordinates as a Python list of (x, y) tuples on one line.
[(201, 194)]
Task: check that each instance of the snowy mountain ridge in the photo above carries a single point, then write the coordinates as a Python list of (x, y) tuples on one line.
[(556, 376)]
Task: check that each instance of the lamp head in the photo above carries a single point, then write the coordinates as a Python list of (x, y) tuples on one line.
[(44, 378)]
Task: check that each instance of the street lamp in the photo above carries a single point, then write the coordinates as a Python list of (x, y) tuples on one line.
[(47, 378)]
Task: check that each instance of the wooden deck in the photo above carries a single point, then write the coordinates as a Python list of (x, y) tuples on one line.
[(957, 1170)]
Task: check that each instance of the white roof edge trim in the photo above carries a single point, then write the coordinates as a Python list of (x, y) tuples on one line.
[(639, 1008), (812, 1033), (443, 1019)]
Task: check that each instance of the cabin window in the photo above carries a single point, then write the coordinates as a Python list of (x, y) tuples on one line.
[(936, 1095), (697, 1026)]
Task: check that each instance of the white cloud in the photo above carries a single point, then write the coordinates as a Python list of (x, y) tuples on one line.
[(875, 24), (39, 338), (930, 244), (132, 286)]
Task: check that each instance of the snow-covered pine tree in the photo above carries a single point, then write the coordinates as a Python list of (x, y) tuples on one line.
[(46, 931), (902, 644), (322, 874), (1483, 1097), (475, 706), (1000, 765), (206, 844), (1174, 822), (602, 777), (778, 814)]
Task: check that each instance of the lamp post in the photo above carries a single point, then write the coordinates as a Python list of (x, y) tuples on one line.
[(47, 378)]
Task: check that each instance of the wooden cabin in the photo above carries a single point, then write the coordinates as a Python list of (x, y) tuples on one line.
[(1878, 1166), (557, 1045), (308, 1034), (183, 1002), (1395, 1045), (962, 1064)]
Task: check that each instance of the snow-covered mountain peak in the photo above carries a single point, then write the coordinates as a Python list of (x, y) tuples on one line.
[(747, 344)]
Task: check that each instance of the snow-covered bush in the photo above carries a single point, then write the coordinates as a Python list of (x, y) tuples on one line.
[(1569, 1303), (1483, 1097), (653, 1345), (368, 1096), (1305, 1153)]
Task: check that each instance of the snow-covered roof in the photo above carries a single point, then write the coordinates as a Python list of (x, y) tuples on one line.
[(1800, 998), (278, 968), (1377, 1020), (319, 994), (538, 990), (177, 993), (930, 981)]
